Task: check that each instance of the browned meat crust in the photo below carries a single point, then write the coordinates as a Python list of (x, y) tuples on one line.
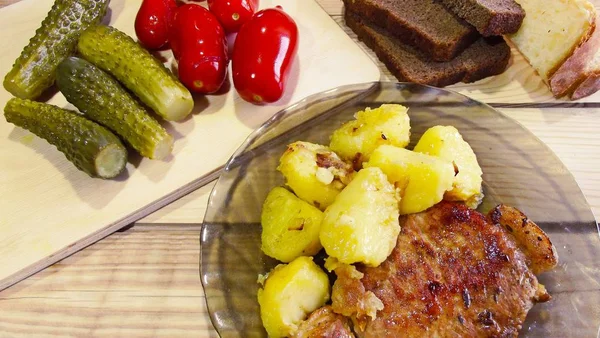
[(532, 240), (452, 274), (324, 323)]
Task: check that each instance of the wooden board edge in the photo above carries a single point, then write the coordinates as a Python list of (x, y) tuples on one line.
[(110, 229)]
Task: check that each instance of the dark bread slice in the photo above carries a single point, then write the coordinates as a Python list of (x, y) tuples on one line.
[(425, 24), (490, 17), (485, 57)]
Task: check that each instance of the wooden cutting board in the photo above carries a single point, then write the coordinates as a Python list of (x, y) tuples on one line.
[(49, 209)]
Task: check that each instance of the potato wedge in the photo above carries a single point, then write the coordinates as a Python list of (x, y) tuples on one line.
[(447, 143), (290, 293), (355, 140), (362, 224), (422, 179), (290, 226), (315, 173)]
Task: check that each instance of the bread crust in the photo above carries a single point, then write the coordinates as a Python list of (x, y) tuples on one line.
[(588, 87), (506, 18), (575, 70), (554, 58), (581, 41)]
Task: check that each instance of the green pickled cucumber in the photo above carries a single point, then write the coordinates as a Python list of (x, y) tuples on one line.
[(91, 147), (56, 39), (116, 53), (102, 99)]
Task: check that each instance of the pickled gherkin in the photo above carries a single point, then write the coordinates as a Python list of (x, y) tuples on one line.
[(91, 147), (34, 70), (102, 99), (145, 76)]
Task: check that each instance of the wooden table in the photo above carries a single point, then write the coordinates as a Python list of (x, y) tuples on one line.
[(144, 281)]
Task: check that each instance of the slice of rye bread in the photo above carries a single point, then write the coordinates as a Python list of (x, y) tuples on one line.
[(425, 24), (485, 57), (490, 17)]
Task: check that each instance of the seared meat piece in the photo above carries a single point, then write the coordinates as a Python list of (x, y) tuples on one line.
[(324, 323), (364, 304), (538, 249), (453, 273)]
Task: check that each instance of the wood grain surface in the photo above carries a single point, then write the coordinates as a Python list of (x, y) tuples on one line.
[(144, 281)]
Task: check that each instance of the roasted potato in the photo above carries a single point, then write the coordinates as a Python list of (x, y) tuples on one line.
[(314, 173), (447, 143), (355, 140), (362, 224), (290, 226), (290, 293), (422, 179)]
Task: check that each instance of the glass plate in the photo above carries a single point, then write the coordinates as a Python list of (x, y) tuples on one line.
[(518, 170)]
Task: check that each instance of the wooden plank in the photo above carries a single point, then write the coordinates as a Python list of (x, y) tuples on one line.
[(72, 210), (140, 283), (194, 205), (572, 136)]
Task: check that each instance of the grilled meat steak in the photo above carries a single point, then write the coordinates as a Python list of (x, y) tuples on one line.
[(453, 273), (324, 323)]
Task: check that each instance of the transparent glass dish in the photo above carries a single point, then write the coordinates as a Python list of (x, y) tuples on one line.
[(519, 170)]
